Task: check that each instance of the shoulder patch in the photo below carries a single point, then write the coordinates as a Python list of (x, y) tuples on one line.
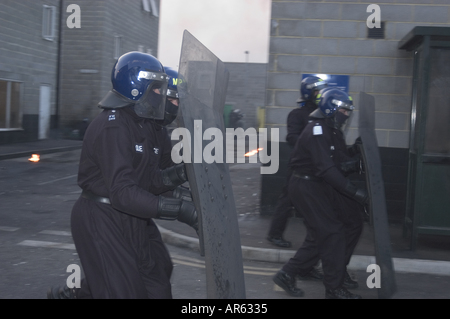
[(112, 115), (317, 130)]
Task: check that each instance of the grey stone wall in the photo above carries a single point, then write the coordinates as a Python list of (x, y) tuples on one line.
[(246, 89), (88, 52), (27, 57), (330, 37)]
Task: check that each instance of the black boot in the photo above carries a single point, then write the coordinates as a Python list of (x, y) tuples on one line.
[(340, 293), (349, 283), (315, 274), (61, 293), (287, 282), (279, 241)]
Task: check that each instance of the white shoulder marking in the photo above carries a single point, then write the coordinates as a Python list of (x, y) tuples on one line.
[(317, 130)]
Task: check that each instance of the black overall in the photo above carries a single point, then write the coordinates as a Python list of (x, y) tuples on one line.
[(119, 245), (334, 221)]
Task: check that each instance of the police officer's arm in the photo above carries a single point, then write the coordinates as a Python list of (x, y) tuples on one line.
[(114, 156), (327, 170), (295, 126), (355, 149), (166, 157), (172, 174)]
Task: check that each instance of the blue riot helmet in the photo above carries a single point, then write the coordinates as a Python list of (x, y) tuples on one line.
[(329, 102), (319, 95), (172, 89), (309, 86), (138, 79), (171, 108)]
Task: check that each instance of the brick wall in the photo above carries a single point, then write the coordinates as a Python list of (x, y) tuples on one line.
[(27, 57), (88, 52), (330, 36)]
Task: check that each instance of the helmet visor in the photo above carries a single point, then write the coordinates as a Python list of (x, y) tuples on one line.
[(343, 105), (317, 86), (153, 102), (172, 93)]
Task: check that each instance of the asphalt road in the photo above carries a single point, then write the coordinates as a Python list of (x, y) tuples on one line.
[(36, 246)]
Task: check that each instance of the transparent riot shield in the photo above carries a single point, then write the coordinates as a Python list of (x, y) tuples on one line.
[(375, 187), (202, 91)]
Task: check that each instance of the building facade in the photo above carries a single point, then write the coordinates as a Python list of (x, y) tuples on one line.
[(333, 37), (56, 58), (109, 28), (28, 68), (246, 89)]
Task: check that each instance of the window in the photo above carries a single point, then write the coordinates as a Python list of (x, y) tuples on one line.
[(150, 6), (48, 22), (9, 104)]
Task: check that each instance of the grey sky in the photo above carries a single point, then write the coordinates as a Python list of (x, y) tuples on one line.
[(227, 27)]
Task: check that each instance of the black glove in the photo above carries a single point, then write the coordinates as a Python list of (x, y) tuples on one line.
[(356, 147), (177, 209), (351, 166), (354, 165), (174, 175), (182, 192), (358, 194)]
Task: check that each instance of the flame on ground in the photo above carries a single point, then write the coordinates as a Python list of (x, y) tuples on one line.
[(251, 153), (34, 158)]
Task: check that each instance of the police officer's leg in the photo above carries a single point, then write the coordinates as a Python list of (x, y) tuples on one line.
[(304, 260), (281, 216), (352, 216), (353, 219), (280, 219), (316, 201), (107, 256), (156, 265)]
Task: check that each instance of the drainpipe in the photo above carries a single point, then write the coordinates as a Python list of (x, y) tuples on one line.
[(58, 67)]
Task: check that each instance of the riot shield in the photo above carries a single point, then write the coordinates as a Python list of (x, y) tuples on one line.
[(202, 92), (375, 186)]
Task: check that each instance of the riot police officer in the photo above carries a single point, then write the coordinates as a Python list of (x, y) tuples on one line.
[(125, 173), (296, 122), (331, 205)]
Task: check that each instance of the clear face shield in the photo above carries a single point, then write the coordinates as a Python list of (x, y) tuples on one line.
[(344, 111), (152, 104), (319, 85), (316, 87)]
